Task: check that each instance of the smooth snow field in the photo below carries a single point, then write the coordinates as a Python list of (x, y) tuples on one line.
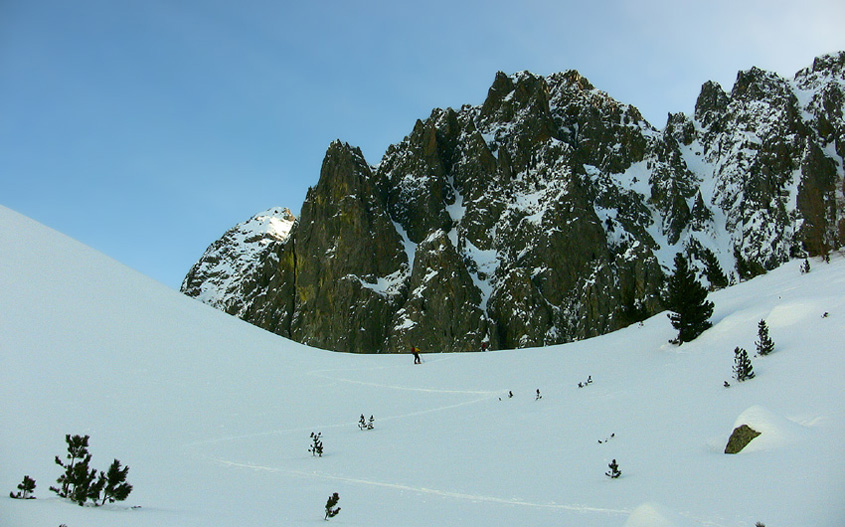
[(213, 416)]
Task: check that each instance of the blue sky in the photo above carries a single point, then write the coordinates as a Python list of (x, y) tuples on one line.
[(145, 129)]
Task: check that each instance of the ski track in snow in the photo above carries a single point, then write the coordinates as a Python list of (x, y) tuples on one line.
[(402, 388), (426, 490), (345, 424), (486, 395)]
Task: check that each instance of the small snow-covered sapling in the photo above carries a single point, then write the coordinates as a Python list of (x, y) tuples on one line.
[(614, 471), (363, 424), (765, 344), (316, 448), (331, 506), (25, 489), (742, 365)]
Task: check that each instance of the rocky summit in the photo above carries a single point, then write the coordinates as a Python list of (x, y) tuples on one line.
[(550, 213)]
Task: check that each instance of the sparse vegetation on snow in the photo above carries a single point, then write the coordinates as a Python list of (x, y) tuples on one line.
[(213, 412)]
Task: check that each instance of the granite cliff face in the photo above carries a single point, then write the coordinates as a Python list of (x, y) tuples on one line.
[(549, 213)]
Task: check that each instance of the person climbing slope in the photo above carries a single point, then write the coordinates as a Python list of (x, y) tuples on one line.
[(416, 351)]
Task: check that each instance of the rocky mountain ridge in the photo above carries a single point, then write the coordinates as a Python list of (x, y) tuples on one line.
[(549, 213)]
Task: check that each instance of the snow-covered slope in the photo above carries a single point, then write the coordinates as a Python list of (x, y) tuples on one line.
[(213, 415)]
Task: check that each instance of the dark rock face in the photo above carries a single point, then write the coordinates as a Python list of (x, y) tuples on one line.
[(551, 213), (237, 268), (342, 246), (741, 436)]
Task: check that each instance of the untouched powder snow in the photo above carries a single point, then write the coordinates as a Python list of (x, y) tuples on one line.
[(213, 415)]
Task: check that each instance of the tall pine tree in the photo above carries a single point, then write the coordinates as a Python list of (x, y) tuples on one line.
[(687, 299)]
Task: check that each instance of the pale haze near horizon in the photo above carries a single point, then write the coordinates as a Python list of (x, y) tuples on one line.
[(147, 130)]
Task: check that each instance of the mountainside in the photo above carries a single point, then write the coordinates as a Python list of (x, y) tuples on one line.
[(234, 269), (213, 415), (551, 213)]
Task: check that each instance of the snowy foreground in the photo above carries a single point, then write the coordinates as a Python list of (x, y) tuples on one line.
[(213, 415)]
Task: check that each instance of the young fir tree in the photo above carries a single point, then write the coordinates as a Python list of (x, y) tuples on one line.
[(362, 423), (765, 344), (742, 365), (113, 483), (316, 444), (85, 485), (805, 267), (25, 489), (331, 506), (687, 299), (614, 471), (714, 272), (76, 472)]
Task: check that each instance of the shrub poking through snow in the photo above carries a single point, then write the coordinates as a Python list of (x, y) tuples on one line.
[(606, 439), (805, 267), (687, 299), (765, 344), (316, 448), (114, 485), (743, 370), (80, 483), (363, 424), (25, 489), (331, 506), (614, 471), (77, 480)]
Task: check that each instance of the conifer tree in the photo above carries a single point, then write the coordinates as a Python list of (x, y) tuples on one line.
[(742, 365), (331, 506), (316, 444), (687, 299), (85, 484), (614, 471), (765, 344), (76, 472), (363, 424), (714, 272), (25, 489), (113, 483)]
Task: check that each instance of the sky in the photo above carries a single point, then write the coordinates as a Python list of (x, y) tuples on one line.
[(147, 129)]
